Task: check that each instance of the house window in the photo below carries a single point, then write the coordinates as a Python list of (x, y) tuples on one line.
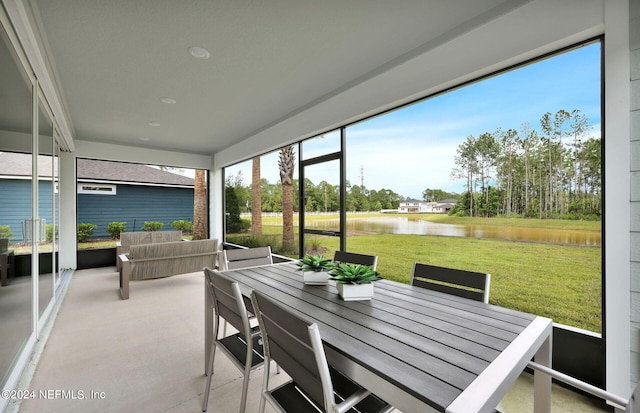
[(97, 189)]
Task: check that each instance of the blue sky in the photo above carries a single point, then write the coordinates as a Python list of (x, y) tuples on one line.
[(413, 148)]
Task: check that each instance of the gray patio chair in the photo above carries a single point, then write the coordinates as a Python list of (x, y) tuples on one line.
[(247, 257), (468, 284), (243, 348), (354, 258), (296, 346)]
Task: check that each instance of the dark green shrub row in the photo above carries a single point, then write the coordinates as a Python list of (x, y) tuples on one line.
[(115, 228)]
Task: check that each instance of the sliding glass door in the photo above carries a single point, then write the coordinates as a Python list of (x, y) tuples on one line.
[(321, 219), (16, 155)]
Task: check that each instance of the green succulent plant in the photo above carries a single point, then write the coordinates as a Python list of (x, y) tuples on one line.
[(314, 263), (346, 273)]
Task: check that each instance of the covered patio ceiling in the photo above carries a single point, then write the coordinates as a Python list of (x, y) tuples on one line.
[(126, 75)]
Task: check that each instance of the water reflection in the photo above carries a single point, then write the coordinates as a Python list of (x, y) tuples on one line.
[(417, 226)]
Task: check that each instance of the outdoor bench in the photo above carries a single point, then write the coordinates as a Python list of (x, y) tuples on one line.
[(148, 261), (127, 239)]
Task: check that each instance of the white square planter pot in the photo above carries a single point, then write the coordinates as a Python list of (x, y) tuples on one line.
[(354, 292), (316, 277)]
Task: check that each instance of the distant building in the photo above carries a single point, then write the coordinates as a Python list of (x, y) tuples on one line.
[(445, 205), (414, 206), (106, 192)]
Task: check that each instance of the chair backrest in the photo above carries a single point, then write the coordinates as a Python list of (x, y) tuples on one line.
[(170, 258), (227, 300), (468, 284), (127, 239), (247, 257), (296, 346), (354, 258)]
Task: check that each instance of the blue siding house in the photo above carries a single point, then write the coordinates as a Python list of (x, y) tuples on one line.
[(15, 179), (15, 209), (106, 192), (135, 205)]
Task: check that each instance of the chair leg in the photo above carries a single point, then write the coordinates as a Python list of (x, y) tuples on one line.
[(207, 389), (265, 385), (213, 357), (216, 328), (210, 364), (245, 386)]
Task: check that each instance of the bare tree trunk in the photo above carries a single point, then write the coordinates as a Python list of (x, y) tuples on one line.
[(200, 206), (286, 163), (256, 199), (287, 218), (470, 189)]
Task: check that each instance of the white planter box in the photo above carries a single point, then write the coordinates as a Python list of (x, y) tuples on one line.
[(353, 292), (316, 277)]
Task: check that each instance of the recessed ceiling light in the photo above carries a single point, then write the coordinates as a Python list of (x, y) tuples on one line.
[(168, 101), (154, 124), (199, 52), (144, 139)]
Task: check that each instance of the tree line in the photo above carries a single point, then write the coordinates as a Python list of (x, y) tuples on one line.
[(321, 197), (553, 172)]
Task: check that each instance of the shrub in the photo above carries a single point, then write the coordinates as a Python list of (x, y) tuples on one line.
[(152, 226), (249, 241), (115, 228), (239, 226), (313, 246), (182, 225), (5, 232), (85, 231), (50, 229), (233, 222)]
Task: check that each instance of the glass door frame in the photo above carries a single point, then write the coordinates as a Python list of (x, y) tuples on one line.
[(340, 157)]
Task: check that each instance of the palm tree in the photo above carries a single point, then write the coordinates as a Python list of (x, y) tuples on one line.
[(200, 206), (286, 163), (256, 199)]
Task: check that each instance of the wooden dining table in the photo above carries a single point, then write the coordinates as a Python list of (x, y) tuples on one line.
[(419, 350)]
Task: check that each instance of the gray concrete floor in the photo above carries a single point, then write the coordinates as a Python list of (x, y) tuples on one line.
[(146, 354)]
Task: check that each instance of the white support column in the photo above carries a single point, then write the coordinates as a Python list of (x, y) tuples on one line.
[(617, 206), (216, 208), (68, 246)]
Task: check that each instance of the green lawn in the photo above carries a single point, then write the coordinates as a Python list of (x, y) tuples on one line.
[(559, 282), (555, 281)]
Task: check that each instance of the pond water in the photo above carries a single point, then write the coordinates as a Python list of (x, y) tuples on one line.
[(417, 226)]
